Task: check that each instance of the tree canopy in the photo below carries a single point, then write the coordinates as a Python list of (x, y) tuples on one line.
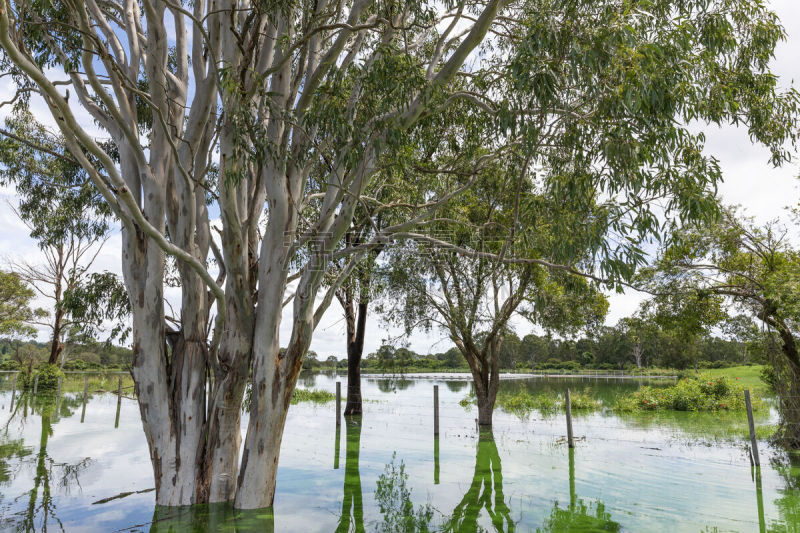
[(279, 121)]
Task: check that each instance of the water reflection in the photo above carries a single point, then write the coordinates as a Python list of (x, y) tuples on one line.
[(39, 510), (788, 504), (308, 379), (454, 385), (352, 517), (42, 448), (578, 516), (393, 496), (393, 384), (216, 517), (485, 492)]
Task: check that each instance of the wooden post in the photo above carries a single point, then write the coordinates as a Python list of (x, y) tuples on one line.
[(337, 444), (436, 460), (58, 395), (436, 410), (752, 424), (338, 403), (13, 391), (85, 394), (573, 496), (35, 384), (762, 523), (569, 421), (119, 401)]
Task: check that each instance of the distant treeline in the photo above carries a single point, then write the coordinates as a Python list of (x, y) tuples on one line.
[(17, 354), (611, 348)]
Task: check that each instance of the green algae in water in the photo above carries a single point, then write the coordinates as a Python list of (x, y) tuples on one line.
[(522, 402), (629, 474)]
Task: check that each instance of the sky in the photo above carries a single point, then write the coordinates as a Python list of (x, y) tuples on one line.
[(749, 180)]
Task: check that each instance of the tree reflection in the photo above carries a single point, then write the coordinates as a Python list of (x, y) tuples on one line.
[(216, 517), (393, 497), (788, 504), (485, 492), (455, 385), (393, 384), (352, 517), (40, 511)]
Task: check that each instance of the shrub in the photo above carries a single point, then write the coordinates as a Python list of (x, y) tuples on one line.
[(583, 401), (313, 396), (523, 402), (80, 364), (768, 377), (9, 365), (696, 393), (48, 377)]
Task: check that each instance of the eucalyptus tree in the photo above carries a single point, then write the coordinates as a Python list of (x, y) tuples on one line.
[(468, 288), (354, 295), (15, 306), (64, 213), (17, 313), (279, 115), (755, 270)]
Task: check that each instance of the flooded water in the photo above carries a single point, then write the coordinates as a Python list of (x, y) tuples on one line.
[(386, 472)]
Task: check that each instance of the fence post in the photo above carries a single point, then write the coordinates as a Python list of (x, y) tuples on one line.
[(119, 402), (569, 421), (436, 410), (85, 394), (58, 394), (436, 460), (337, 444), (752, 425), (35, 384), (13, 391), (338, 403)]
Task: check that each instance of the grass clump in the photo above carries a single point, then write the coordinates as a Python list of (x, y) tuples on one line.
[(523, 402), (313, 396), (48, 378), (298, 396), (704, 392)]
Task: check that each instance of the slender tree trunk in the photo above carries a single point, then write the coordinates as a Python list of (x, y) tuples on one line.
[(221, 468), (271, 396), (787, 378), (274, 376), (355, 350), (55, 343), (485, 376), (637, 355)]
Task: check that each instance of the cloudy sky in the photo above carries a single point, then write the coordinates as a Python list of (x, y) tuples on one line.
[(749, 181)]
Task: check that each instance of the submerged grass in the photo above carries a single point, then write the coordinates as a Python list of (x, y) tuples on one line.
[(312, 395), (522, 403), (704, 392), (298, 396)]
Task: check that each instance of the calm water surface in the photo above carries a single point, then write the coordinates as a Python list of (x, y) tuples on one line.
[(677, 472)]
